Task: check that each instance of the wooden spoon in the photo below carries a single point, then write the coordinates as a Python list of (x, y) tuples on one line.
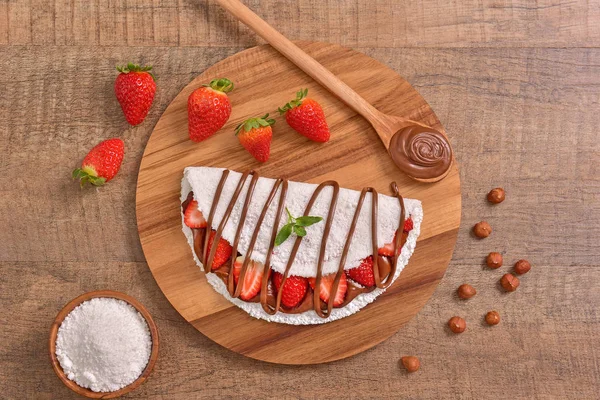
[(418, 150)]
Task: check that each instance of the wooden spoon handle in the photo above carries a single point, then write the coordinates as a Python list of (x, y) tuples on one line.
[(304, 61)]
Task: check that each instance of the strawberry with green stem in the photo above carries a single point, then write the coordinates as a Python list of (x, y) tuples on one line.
[(101, 164), (135, 87), (255, 134), (306, 117), (209, 109), (295, 225)]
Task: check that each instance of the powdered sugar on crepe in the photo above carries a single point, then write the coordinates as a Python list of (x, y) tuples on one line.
[(203, 181), (311, 317)]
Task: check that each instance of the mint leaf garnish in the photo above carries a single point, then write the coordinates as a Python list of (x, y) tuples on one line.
[(295, 225), (283, 234), (300, 231), (308, 221)]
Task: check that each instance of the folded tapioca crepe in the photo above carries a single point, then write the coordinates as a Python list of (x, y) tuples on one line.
[(204, 183)]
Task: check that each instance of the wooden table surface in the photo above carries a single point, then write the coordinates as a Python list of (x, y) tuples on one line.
[(515, 83)]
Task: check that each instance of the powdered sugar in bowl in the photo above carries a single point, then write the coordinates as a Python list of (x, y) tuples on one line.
[(104, 340)]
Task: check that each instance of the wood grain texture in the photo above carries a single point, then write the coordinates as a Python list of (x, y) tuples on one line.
[(523, 118), (356, 23), (387, 126), (354, 157)]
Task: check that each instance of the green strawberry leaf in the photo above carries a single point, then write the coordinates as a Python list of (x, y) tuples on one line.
[(99, 181), (255, 123), (222, 85), (300, 95), (131, 67), (300, 231), (283, 234), (308, 220)]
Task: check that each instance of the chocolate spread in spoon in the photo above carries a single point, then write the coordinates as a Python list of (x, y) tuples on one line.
[(421, 152), (268, 298)]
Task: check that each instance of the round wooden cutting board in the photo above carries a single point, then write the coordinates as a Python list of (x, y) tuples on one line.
[(355, 157)]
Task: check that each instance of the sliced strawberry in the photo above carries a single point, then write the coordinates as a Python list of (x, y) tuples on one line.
[(222, 253), (252, 279), (408, 225), (363, 274), (293, 290), (325, 289), (192, 216), (388, 249)]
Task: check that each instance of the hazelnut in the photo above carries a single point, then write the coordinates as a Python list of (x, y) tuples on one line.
[(482, 229), (466, 291), (492, 318), (522, 267), (509, 282), (457, 324), (494, 260), (411, 363), (496, 195)]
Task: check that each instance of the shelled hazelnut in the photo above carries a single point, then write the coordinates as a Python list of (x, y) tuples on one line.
[(492, 318), (494, 260), (466, 291), (482, 229), (457, 324), (509, 282), (411, 363), (522, 267), (496, 195)]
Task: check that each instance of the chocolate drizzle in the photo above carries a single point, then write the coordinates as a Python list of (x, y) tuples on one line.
[(421, 152), (271, 302)]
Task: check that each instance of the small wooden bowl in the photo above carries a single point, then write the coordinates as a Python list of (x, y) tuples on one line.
[(67, 309)]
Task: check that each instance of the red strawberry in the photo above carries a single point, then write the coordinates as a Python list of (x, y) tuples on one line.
[(306, 117), (252, 279), (193, 217), (388, 249), (325, 289), (408, 225), (363, 274), (101, 164), (255, 135), (135, 88), (293, 290), (222, 253), (209, 109)]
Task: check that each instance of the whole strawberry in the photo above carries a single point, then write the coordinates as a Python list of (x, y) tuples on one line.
[(209, 109), (255, 135), (101, 164), (135, 88), (306, 117)]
